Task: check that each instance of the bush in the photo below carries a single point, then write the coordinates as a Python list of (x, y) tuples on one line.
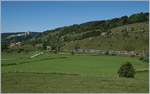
[(107, 53), (20, 50), (72, 52), (141, 58), (144, 59), (126, 70)]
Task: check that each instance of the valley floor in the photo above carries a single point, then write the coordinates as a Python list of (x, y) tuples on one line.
[(67, 73)]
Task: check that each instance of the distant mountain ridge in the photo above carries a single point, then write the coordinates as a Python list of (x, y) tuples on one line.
[(17, 36)]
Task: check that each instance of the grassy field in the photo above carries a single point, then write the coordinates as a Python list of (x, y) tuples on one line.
[(67, 73)]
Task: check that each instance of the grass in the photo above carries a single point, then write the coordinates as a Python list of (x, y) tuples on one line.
[(135, 40), (67, 73)]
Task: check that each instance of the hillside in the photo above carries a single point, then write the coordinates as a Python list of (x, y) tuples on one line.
[(127, 37), (123, 33), (8, 38)]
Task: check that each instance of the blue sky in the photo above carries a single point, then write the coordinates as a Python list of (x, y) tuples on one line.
[(38, 16)]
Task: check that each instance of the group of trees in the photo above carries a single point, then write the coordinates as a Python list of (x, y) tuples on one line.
[(103, 25), (4, 47), (55, 41), (17, 48), (56, 38), (96, 27)]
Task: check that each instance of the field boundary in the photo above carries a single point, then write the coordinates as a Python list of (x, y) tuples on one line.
[(32, 61), (56, 73)]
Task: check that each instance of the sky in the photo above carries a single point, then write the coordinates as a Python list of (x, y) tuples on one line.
[(39, 16)]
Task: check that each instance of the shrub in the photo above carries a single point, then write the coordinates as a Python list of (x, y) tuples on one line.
[(126, 70), (20, 50), (141, 58), (72, 52), (107, 53), (144, 59)]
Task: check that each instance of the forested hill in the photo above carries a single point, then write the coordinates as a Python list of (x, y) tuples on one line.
[(7, 38), (103, 34), (94, 28), (99, 34)]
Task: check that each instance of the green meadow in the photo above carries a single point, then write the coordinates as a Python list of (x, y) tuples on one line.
[(81, 73)]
